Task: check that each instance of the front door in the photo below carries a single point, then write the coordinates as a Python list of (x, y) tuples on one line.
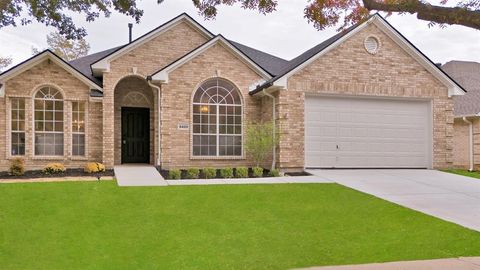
[(135, 135)]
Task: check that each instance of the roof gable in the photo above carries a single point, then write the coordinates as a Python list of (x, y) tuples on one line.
[(103, 64), (33, 61), (162, 75), (318, 51)]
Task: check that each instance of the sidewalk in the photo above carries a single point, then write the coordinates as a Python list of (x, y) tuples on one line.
[(264, 180), (462, 263)]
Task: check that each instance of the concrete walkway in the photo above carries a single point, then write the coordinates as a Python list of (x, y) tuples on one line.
[(470, 263), (239, 181), (138, 175), (447, 196)]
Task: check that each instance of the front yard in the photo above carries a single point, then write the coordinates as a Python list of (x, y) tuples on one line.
[(90, 225)]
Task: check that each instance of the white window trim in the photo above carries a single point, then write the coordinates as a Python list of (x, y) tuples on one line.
[(243, 109), (8, 126), (48, 157), (85, 156)]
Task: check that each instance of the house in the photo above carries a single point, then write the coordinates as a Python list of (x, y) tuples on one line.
[(467, 114), (180, 96)]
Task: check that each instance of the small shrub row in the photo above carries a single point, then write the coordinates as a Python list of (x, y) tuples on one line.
[(209, 173), (17, 167)]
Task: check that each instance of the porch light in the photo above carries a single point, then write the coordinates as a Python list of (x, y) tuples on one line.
[(204, 109)]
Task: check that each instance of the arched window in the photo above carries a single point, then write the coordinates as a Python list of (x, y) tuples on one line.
[(217, 119), (48, 103)]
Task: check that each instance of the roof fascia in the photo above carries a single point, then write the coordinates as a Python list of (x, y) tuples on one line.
[(103, 65), (162, 76), (47, 54)]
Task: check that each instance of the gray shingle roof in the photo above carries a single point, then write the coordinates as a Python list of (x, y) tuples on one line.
[(467, 74), (82, 64), (272, 64)]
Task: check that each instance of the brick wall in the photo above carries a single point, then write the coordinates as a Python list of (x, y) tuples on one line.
[(143, 61), (350, 70), (25, 85), (177, 98)]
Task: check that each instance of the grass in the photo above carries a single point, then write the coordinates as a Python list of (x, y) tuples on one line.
[(473, 174), (97, 225)]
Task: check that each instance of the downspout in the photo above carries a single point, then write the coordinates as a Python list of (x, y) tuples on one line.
[(470, 134), (274, 135), (159, 124)]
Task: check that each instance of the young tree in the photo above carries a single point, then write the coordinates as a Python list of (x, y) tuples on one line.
[(65, 48), (261, 141), (325, 13), (5, 62)]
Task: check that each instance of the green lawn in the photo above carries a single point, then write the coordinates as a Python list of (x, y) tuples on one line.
[(90, 225), (473, 174)]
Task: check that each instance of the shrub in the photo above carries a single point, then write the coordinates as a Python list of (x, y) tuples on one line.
[(226, 172), (174, 174), (193, 173), (257, 171), (54, 168), (209, 173), (241, 172), (261, 140), (274, 173), (17, 167), (94, 167)]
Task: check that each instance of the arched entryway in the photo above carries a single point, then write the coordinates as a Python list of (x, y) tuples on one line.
[(134, 127)]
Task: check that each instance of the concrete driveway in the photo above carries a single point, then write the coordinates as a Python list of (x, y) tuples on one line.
[(447, 196)]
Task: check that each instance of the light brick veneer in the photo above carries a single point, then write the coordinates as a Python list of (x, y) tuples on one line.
[(25, 86), (461, 149), (350, 70), (143, 61), (177, 100)]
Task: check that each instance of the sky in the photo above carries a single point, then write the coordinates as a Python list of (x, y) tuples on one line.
[(284, 33)]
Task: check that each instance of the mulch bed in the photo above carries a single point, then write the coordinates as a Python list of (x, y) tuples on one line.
[(68, 173), (266, 172)]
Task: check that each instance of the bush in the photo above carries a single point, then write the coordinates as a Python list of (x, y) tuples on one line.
[(17, 167), (226, 173), (54, 168), (241, 172), (193, 173), (94, 167), (274, 173), (174, 174), (257, 171), (209, 173)]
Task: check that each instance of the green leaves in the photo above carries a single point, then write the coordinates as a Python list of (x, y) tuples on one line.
[(260, 141)]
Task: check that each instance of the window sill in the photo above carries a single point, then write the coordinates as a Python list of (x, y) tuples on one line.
[(49, 157), (217, 157), (79, 158)]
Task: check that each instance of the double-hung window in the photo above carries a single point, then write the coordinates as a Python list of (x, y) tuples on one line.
[(78, 128), (17, 114)]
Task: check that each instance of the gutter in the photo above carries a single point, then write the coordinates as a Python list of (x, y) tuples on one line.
[(159, 97), (470, 134), (274, 131)]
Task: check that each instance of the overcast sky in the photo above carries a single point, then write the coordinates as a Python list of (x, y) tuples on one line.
[(284, 33)]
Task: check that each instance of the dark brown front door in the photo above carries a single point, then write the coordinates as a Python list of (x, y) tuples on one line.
[(135, 135)]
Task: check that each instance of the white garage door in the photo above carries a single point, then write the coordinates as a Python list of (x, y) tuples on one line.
[(367, 133)]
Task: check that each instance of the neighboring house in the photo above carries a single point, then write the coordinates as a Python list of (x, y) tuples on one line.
[(180, 97), (466, 151)]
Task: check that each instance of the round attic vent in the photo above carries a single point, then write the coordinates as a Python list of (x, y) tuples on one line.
[(371, 44)]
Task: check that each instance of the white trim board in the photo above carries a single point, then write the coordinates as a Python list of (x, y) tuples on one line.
[(162, 76), (103, 65), (39, 58), (377, 20)]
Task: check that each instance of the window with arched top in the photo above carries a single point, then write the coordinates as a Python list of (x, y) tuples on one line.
[(49, 122), (217, 119)]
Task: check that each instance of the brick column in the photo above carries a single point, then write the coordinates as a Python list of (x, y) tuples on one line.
[(108, 126), (291, 129)]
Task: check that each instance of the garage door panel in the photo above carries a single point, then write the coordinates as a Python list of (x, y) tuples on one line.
[(370, 133)]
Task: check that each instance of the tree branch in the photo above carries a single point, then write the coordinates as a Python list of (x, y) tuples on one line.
[(427, 12)]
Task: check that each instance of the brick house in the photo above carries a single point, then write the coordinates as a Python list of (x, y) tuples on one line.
[(180, 97), (467, 114)]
